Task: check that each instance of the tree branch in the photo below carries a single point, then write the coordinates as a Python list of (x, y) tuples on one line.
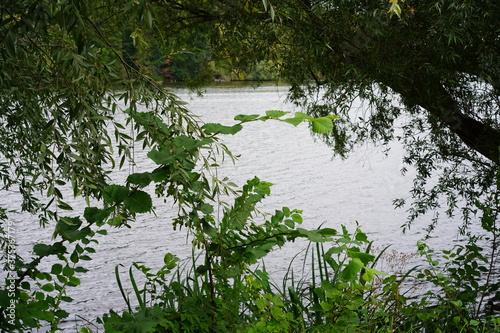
[(434, 98)]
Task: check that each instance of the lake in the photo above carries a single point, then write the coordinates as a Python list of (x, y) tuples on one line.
[(330, 191)]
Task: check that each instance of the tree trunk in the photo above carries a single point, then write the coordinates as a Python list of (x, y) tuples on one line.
[(433, 97)]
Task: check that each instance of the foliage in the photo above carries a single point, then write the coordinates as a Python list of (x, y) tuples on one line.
[(177, 143), (73, 74), (64, 78), (233, 297), (465, 286), (343, 293), (423, 72)]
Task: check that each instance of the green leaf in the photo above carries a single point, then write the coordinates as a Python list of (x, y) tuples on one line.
[(361, 236), (161, 157), (326, 306), (327, 286), (96, 215), (370, 273), (140, 179), (244, 118), (312, 235), (42, 315), (41, 250), (46, 250), (474, 323), (138, 202), (61, 313), (367, 276), (185, 141), (115, 193), (68, 229), (322, 125), (328, 232), (56, 269), (48, 287), (63, 205), (221, 129), (68, 271), (293, 121), (169, 258), (74, 281), (80, 269), (74, 257), (364, 257), (276, 113), (159, 174), (302, 115), (297, 218), (206, 208), (351, 270)]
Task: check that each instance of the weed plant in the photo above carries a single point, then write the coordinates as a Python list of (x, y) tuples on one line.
[(343, 293), (220, 289)]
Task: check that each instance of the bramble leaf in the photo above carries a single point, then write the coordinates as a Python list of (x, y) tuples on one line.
[(351, 270), (115, 193), (161, 157), (322, 125), (276, 113), (140, 179), (221, 129), (246, 117), (293, 121), (138, 202)]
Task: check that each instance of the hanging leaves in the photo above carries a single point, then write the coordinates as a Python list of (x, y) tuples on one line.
[(115, 193), (138, 202), (322, 125), (221, 129)]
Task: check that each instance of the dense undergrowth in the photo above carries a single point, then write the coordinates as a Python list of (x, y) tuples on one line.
[(219, 291), (223, 288), (70, 67)]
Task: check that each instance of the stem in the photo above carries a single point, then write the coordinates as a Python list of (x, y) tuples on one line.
[(492, 254), (257, 240)]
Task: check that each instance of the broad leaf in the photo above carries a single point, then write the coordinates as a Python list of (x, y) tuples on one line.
[(161, 157), (293, 121), (159, 174), (96, 215), (140, 179), (43, 250), (244, 117), (352, 269), (322, 125), (206, 208), (370, 273), (276, 113), (138, 202), (115, 193), (364, 257), (221, 129), (302, 115), (185, 141), (68, 229)]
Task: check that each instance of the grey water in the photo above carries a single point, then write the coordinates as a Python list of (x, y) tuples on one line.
[(306, 176)]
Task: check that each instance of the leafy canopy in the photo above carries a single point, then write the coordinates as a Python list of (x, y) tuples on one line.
[(424, 72)]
